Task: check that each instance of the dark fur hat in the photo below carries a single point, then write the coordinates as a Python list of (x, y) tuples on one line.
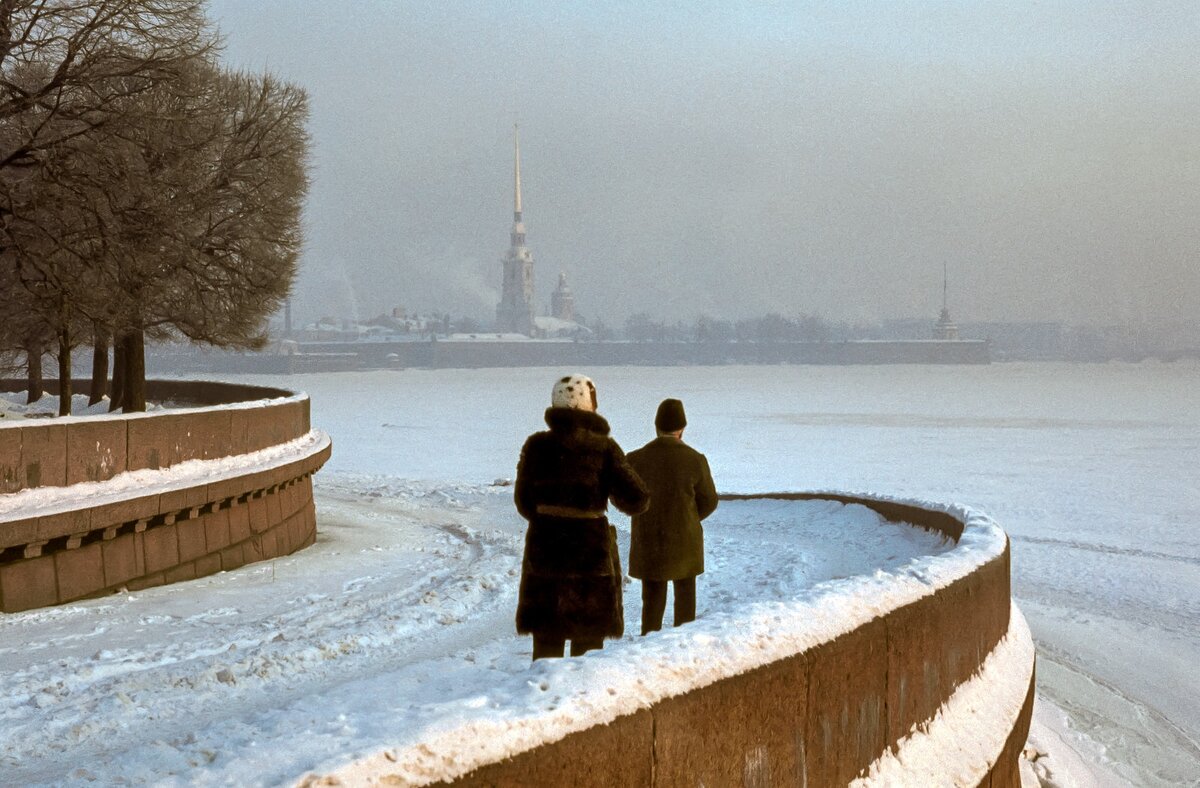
[(670, 417)]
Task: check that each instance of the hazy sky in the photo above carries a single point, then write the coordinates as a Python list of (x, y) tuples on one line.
[(736, 159)]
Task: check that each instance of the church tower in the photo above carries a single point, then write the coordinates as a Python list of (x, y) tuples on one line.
[(514, 313), (562, 300)]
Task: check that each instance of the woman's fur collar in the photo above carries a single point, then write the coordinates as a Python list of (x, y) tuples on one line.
[(570, 419)]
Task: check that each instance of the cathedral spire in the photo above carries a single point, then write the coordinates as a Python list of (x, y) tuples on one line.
[(945, 328), (514, 313), (516, 173)]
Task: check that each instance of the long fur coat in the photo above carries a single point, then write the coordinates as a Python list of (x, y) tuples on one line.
[(571, 572)]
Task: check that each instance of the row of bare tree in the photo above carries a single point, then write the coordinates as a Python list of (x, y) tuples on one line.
[(145, 191)]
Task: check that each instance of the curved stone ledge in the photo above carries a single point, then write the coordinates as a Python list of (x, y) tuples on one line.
[(224, 420), (148, 499), (822, 715)]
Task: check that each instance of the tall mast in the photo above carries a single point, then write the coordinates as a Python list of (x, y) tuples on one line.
[(945, 279)]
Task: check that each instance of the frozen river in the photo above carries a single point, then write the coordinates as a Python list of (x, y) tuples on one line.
[(1090, 468)]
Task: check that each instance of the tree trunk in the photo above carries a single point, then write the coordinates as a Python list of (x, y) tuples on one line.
[(116, 392), (135, 371), (99, 364), (33, 371), (64, 336), (64, 370)]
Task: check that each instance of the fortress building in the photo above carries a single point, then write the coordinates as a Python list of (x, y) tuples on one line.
[(514, 314)]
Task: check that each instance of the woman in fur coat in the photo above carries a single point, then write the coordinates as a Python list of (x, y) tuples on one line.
[(571, 572)]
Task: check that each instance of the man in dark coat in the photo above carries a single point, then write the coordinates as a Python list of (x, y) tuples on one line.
[(571, 571), (668, 540)]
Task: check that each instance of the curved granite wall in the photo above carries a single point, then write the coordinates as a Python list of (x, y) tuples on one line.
[(219, 483), (823, 716)]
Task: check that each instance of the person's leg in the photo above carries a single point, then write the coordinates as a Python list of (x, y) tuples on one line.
[(685, 600), (581, 646), (654, 603), (548, 648)]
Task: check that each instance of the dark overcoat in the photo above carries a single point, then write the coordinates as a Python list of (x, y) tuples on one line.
[(571, 571), (667, 542)]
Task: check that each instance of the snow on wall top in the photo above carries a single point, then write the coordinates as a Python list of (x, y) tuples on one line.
[(152, 414), (43, 501)]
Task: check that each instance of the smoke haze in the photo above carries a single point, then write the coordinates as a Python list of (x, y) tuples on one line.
[(688, 158)]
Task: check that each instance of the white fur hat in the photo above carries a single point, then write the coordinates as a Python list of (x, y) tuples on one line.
[(574, 391)]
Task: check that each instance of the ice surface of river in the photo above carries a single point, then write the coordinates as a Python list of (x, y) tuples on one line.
[(1090, 468)]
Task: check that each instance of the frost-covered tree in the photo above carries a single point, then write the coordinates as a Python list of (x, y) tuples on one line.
[(67, 67), (242, 237), (68, 72), (202, 216), (47, 245), (24, 335), (144, 191)]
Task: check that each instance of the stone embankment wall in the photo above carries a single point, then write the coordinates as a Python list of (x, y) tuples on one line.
[(821, 717), (248, 498), (444, 354)]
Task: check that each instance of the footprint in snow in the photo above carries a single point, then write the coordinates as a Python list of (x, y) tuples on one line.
[(357, 584)]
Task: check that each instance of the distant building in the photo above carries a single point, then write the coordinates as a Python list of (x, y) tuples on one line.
[(515, 311), (945, 327), (553, 328), (562, 301)]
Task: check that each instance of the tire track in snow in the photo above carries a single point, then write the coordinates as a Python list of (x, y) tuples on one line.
[(1141, 723), (1108, 549)]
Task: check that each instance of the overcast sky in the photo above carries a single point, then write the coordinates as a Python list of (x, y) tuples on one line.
[(737, 159)]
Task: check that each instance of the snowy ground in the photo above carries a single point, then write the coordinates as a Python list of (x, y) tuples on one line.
[(396, 624), (13, 406), (1090, 468)]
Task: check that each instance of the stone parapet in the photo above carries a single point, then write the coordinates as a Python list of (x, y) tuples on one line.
[(71, 527), (217, 420), (483, 353)]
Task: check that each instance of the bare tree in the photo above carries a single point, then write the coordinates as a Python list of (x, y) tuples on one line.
[(46, 251), (144, 192), (67, 67), (69, 71), (244, 237), (24, 334), (199, 203)]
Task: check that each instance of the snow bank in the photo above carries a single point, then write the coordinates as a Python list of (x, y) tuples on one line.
[(14, 412), (13, 406)]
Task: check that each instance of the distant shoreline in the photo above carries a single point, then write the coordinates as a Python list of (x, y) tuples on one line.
[(478, 353)]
